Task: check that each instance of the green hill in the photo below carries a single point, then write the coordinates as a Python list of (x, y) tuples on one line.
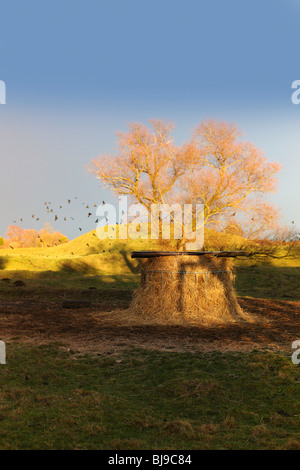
[(109, 256), (87, 262), (89, 253)]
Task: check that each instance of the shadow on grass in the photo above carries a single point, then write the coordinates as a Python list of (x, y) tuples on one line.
[(77, 267), (280, 283), (135, 267), (68, 282), (2, 262), (271, 282)]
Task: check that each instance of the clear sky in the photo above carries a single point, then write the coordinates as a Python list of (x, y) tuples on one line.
[(78, 71)]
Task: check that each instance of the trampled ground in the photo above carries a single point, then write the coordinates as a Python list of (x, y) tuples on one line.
[(107, 326)]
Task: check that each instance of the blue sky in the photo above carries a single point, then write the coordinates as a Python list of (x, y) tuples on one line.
[(76, 72)]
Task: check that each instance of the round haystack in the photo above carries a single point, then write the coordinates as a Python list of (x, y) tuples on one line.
[(192, 289)]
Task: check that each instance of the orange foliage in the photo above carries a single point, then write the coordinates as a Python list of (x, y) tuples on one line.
[(230, 178), (18, 237), (215, 168), (147, 164)]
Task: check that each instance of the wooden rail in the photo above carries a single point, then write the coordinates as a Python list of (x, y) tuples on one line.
[(156, 254)]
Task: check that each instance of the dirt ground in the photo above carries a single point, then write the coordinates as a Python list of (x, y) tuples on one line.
[(107, 329)]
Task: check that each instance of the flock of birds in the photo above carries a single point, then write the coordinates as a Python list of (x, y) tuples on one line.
[(57, 213), (50, 209)]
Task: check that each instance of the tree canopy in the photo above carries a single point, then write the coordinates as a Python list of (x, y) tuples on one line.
[(229, 176)]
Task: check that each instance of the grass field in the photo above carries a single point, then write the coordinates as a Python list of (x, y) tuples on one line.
[(54, 396), (148, 400)]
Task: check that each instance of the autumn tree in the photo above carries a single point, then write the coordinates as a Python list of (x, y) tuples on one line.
[(146, 166), (228, 176), (20, 237), (24, 238), (49, 237)]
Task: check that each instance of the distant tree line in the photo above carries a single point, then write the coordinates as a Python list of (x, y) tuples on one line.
[(17, 237)]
